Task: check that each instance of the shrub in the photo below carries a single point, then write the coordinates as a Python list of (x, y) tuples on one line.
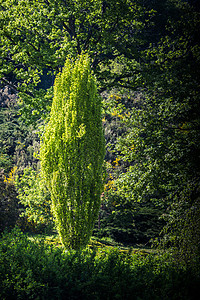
[(35, 270), (36, 201), (9, 211)]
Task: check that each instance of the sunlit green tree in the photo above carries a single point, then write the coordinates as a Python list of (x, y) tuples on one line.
[(72, 152)]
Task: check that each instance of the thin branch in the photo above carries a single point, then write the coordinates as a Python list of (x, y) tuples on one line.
[(11, 85), (14, 87)]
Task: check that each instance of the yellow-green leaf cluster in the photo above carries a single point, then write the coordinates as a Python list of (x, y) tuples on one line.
[(72, 152)]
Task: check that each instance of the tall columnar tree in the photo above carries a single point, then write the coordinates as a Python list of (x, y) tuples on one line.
[(72, 152)]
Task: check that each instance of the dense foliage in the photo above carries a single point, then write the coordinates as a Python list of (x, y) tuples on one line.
[(9, 212), (30, 269), (72, 152), (161, 145), (35, 199), (37, 38), (146, 57)]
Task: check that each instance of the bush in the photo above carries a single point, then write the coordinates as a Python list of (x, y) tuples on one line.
[(35, 270), (9, 210), (36, 214)]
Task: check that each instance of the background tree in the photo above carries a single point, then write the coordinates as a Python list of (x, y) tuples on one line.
[(37, 37), (161, 144), (9, 208), (121, 218), (72, 152), (18, 141), (8, 128)]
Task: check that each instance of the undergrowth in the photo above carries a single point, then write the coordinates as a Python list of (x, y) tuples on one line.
[(34, 269)]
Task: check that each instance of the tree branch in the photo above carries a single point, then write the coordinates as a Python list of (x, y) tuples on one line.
[(11, 85), (14, 87)]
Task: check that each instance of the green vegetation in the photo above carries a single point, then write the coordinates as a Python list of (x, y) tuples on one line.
[(9, 212), (36, 200), (62, 62), (72, 153), (34, 270)]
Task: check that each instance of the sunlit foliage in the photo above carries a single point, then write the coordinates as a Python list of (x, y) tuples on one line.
[(72, 152)]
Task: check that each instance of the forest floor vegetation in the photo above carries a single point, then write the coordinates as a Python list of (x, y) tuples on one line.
[(38, 268)]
